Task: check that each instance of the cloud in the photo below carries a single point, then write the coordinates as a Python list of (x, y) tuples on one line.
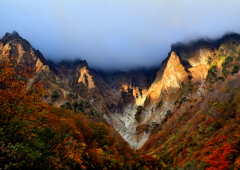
[(118, 34)]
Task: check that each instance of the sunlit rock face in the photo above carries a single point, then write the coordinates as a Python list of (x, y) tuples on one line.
[(195, 56), (174, 74)]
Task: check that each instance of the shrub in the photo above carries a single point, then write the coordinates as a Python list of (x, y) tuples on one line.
[(80, 104), (138, 113), (154, 124), (75, 104), (168, 114), (76, 96), (183, 99), (175, 102), (159, 104), (54, 95), (223, 58), (214, 64), (221, 78), (211, 72), (70, 94), (235, 69), (81, 109), (182, 85), (68, 105), (227, 61)]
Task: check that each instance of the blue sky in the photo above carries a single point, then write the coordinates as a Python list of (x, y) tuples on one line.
[(116, 34)]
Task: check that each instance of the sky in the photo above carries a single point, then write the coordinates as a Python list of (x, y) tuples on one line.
[(116, 34)]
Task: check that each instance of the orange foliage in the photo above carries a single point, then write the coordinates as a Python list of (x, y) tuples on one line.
[(18, 100)]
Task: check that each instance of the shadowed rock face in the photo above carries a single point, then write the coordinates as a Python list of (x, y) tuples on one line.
[(119, 95)]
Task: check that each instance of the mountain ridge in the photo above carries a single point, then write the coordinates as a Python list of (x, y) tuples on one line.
[(184, 115), (118, 95)]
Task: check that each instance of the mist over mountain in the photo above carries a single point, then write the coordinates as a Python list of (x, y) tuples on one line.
[(116, 34)]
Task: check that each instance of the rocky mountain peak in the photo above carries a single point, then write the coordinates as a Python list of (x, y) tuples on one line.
[(10, 37), (174, 73), (15, 47), (15, 35)]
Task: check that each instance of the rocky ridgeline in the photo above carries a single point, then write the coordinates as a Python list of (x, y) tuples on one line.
[(132, 102)]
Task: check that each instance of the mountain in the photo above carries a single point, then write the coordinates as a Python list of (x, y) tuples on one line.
[(164, 112)]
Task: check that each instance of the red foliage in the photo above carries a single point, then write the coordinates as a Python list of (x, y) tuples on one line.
[(218, 159)]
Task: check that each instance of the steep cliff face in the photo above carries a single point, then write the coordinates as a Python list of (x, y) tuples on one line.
[(159, 98), (161, 94)]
